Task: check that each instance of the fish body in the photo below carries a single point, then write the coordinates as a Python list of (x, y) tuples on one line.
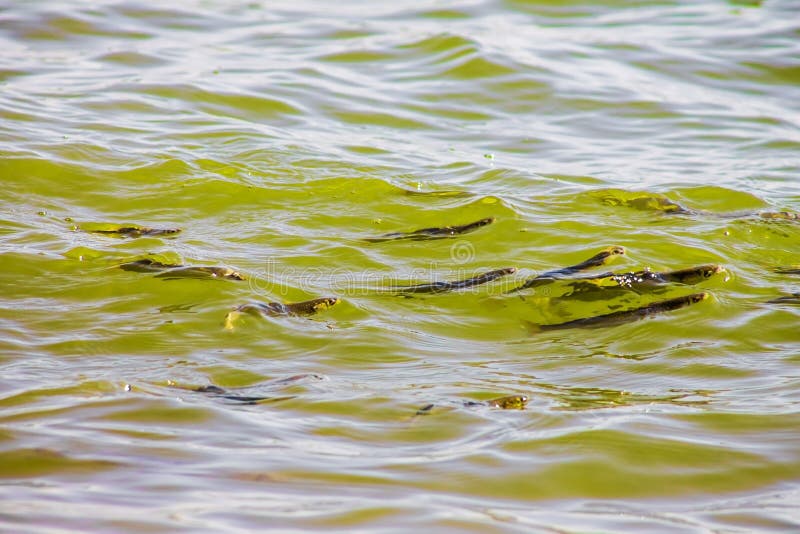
[(201, 272), (134, 231), (780, 215), (217, 391), (626, 316), (441, 287), (148, 266), (307, 307), (434, 233), (599, 259), (509, 402), (273, 309), (691, 275), (633, 280), (174, 271), (792, 298)]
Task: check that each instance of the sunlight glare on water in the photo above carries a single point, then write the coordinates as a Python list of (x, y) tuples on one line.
[(166, 168)]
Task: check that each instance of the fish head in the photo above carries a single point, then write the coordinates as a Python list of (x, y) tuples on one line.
[(325, 303), (511, 402), (698, 297)]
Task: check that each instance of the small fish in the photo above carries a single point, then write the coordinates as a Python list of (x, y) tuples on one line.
[(175, 271), (201, 272), (425, 410), (134, 231), (272, 309), (780, 215), (624, 316), (148, 266), (640, 200), (792, 298), (787, 270), (433, 233), (224, 394), (441, 194), (689, 276), (599, 259), (510, 402), (441, 287)]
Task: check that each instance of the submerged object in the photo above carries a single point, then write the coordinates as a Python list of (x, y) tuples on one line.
[(441, 287), (625, 316), (433, 233)]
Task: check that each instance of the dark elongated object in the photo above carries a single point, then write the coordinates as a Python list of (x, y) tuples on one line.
[(433, 233), (599, 259), (441, 287), (625, 316)]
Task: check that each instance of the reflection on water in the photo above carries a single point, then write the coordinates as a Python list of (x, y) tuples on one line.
[(279, 139)]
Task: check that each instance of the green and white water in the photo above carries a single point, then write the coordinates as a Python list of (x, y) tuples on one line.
[(279, 135)]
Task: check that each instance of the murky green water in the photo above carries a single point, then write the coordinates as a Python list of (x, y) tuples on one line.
[(279, 136)]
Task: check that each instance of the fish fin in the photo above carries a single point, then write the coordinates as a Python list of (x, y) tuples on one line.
[(230, 318)]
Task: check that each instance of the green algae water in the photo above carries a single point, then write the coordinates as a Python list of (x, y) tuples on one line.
[(282, 138)]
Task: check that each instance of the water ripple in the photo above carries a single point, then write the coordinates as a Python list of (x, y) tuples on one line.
[(280, 139)]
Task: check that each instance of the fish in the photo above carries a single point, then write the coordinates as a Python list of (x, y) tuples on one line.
[(599, 259), (133, 231), (433, 233), (272, 309), (201, 272), (441, 287), (173, 271), (624, 316), (148, 265), (780, 215), (509, 402), (217, 391), (637, 279), (792, 298)]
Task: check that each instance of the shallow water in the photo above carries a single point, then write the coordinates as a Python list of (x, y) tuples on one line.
[(279, 136)]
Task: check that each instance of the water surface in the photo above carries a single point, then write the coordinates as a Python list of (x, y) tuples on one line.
[(278, 136)]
